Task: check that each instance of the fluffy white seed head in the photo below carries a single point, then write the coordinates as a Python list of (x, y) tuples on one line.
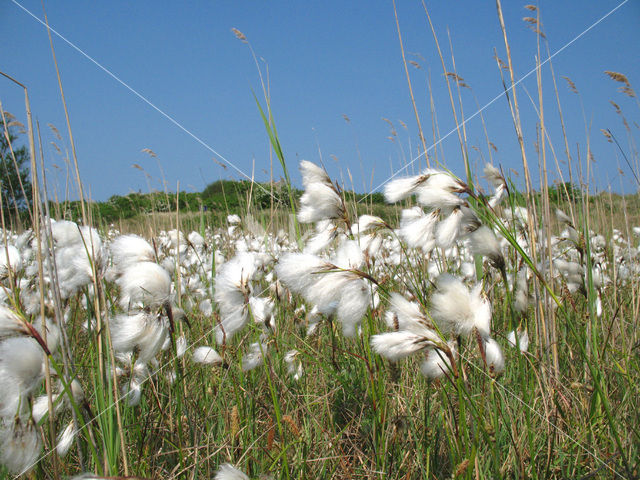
[(254, 357), (402, 188), (129, 249), (19, 446), (10, 260), (401, 344), (294, 365), (144, 284), (485, 243), (458, 310), (417, 229), (312, 173), (494, 357), (206, 356), (523, 340), (437, 362), (320, 202), (448, 230), (229, 472), (65, 440)]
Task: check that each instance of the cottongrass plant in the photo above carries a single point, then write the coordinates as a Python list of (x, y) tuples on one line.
[(242, 321)]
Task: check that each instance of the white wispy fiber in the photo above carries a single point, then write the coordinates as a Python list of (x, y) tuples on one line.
[(10, 260), (493, 355), (65, 440), (403, 187), (40, 406), (493, 175), (229, 472), (498, 196), (563, 217), (320, 202), (413, 330), (232, 291), (417, 229), (129, 249), (438, 198), (367, 223), (255, 356), (21, 371), (11, 323), (181, 346), (233, 219), (458, 310), (485, 243), (262, 311), (521, 301), (437, 362), (19, 446), (523, 340), (206, 356), (342, 292), (312, 173), (499, 184), (348, 256), (296, 270), (355, 299), (398, 345), (294, 365), (448, 230), (142, 331), (144, 284), (325, 232)]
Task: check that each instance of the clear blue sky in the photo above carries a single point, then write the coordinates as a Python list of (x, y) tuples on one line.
[(324, 59)]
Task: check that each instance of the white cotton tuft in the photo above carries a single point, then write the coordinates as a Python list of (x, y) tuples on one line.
[(65, 440), (493, 175), (254, 357), (354, 302), (19, 446), (320, 202), (447, 230), (21, 370), (523, 340), (144, 284), (10, 260), (485, 243), (349, 255), (232, 290), (312, 173), (493, 354), (11, 323), (417, 229), (456, 309), (398, 345), (229, 472), (294, 365), (437, 363), (181, 346), (401, 188), (129, 249), (206, 356)]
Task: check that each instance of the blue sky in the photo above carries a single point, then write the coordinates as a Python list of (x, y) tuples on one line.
[(324, 60)]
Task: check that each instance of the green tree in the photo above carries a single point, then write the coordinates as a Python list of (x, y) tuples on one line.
[(15, 182)]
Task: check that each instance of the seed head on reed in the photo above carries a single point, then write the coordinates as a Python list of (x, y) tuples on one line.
[(229, 472)]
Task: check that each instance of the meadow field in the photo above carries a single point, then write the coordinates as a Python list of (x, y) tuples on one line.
[(465, 324)]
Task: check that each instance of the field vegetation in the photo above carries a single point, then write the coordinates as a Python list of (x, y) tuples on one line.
[(455, 325)]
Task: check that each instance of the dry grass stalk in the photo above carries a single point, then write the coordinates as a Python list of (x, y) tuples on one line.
[(572, 86), (149, 152), (618, 77), (239, 35)]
